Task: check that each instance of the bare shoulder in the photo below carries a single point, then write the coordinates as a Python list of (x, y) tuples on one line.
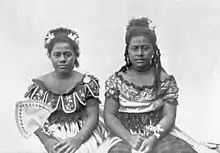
[(45, 77), (164, 75), (78, 75)]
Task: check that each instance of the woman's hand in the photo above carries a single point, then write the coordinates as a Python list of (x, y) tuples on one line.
[(148, 144), (135, 141), (69, 145), (47, 140)]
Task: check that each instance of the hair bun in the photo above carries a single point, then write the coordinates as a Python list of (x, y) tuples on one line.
[(139, 22)]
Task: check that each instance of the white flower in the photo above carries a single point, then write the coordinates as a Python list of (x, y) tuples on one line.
[(86, 79), (158, 127), (41, 92), (49, 37), (68, 98), (74, 37)]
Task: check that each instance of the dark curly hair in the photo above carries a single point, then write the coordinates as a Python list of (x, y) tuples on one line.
[(141, 26), (62, 35)]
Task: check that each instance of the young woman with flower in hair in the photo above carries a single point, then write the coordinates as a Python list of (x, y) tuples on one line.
[(141, 100), (63, 106)]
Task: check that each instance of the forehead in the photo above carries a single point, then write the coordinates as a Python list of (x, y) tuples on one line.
[(62, 46), (140, 40)]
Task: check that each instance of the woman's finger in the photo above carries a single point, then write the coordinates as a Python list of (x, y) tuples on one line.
[(120, 147), (63, 148), (59, 144), (68, 150), (73, 150), (147, 149), (143, 146)]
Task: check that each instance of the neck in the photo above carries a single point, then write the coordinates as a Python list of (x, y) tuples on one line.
[(63, 75), (144, 70)]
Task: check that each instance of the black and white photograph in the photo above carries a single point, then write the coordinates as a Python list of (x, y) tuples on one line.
[(110, 76)]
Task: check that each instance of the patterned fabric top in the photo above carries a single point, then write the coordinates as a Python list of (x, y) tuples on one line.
[(69, 102), (140, 107), (138, 99)]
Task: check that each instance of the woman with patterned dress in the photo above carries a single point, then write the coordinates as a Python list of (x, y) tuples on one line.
[(141, 101), (63, 106)]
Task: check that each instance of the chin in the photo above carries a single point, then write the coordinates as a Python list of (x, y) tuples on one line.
[(64, 71), (141, 65)]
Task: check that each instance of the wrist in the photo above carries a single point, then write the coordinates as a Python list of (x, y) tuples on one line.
[(81, 138), (128, 138), (158, 131), (154, 138), (40, 134)]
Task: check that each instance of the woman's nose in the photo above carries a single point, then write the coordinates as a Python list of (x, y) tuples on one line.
[(140, 52), (62, 59)]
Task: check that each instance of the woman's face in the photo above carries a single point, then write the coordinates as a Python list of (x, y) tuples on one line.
[(62, 57), (140, 52)]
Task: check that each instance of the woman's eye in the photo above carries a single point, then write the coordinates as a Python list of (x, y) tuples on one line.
[(145, 48), (56, 54), (68, 54), (134, 48)]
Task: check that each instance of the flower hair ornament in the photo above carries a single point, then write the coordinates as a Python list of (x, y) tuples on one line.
[(49, 37), (73, 35)]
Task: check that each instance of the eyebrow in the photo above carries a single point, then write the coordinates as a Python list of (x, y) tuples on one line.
[(59, 51), (141, 45)]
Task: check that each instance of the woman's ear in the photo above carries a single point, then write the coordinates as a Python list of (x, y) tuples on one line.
[(76, 63), (49, 54)]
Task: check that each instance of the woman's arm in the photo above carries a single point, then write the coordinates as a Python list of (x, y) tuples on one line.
[(110, 110), (163, 127), (168, 120), (114, 124), (170, 107), (43, 136), (169, 116), (92, 111), (47, 140)]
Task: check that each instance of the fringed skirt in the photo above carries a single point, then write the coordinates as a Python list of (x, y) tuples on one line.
[(62, 126)]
